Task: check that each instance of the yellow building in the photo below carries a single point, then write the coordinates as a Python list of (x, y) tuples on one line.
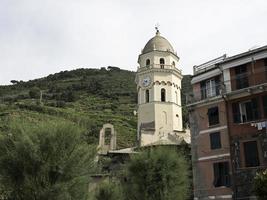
[(158, 82)]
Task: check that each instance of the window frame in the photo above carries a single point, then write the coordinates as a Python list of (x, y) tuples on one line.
[(162, 63), (239, 110), (215, 140), (212, 121), (147, 93), (147, 62), (253, 161), (221, 174), (241, 76), (163, 95)]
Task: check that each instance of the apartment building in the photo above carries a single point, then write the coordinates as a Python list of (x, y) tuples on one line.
[(228, 119)]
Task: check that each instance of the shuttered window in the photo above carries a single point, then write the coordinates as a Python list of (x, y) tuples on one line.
[(215, 140), (213, 114), (246, 111), (241, 77), (221, 174), (251, 154), (236, 113)]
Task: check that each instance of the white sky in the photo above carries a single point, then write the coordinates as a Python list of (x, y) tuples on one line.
[(41, 37)]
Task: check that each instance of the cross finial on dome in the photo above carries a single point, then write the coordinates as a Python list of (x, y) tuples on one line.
[(157, 28)]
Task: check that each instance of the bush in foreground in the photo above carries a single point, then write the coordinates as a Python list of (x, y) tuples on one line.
[(45, 161), (157, 174), (260, 185)]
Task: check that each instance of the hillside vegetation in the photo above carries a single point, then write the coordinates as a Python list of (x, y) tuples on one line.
[(87, 97)]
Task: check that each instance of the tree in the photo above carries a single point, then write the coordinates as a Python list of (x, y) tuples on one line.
[(34, 92), (260, 185), (157, 174), (108, 191), (14, 82), (45, 161)]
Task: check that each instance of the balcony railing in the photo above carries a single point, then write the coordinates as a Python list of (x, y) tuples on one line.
[(204, 93), (244, 82), (158, 66)]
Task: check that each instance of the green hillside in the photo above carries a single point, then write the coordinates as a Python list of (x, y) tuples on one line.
[(88, 97)]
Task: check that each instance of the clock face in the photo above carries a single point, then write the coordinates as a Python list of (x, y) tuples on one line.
[(146, 81)]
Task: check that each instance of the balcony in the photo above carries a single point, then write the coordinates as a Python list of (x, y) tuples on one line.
[(246, 82), (242, 84), (205, 93), (159, 66)]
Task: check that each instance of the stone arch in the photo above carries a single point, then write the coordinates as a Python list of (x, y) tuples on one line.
[(157, 83), (107, 138), (163, 82), (169, 83)]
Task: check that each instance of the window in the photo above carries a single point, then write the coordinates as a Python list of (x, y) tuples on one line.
[(251, 154), (213, 114), (147, 62), (210, 88), (265, 68), (147, 96), (176, 97), (162, 62), (173, 63), (264, 102), (245, 111), (236, 113), (241, 77), (163, 94), (215, 140), (221, 174)]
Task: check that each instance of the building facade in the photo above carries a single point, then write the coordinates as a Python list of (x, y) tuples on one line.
[(228, 119), (158, 82)]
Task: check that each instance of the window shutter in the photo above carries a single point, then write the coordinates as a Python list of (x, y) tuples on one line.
[(216, 174), (255, 110), (203, 90), (236, 112), (217, 85)]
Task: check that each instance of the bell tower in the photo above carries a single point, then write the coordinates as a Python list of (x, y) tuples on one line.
[(158, 82)]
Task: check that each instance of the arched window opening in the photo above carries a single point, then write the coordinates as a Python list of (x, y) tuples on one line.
[(163, 95), (147, 96), (173, 63), (162, 63), (147, 62), (176, 97)]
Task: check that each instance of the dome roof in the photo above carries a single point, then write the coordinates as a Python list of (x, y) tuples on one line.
[(158, 43)]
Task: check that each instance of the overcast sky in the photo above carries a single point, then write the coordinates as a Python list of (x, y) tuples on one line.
[(41, 37)]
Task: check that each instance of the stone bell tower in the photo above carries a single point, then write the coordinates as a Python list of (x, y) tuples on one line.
[(159, 93)]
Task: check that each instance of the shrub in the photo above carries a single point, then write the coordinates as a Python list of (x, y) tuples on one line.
[(45, 161), (260, 185), (108, 191), (34, 92), (157, 174)]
